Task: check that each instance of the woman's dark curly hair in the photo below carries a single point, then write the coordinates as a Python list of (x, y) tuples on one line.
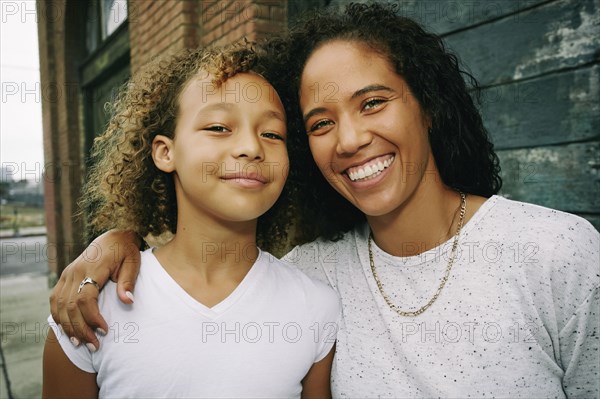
[(460, 144), (124, 189)]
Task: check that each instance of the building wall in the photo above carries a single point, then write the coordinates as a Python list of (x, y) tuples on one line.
[(161, 27), (62, 146), (158, 28)]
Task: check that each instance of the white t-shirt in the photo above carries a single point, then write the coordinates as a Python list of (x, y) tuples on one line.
[(518, 317), (258, 342)]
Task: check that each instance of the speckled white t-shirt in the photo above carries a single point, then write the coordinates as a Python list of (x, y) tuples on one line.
[(517, 318)]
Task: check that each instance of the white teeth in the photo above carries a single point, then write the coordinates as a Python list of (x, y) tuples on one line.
[(370, 171)]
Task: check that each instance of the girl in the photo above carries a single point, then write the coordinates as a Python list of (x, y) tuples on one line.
[(197, 147), (447, 289)]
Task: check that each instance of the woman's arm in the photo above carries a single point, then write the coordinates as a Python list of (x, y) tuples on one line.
[(62, 379), (317, 384), (114, 255)]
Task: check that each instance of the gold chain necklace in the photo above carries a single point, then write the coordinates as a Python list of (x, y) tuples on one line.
[(463, 208)]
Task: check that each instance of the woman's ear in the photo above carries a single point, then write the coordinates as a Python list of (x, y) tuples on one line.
[(162, 153)]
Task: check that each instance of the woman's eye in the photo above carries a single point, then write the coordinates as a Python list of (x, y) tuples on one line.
[(319, 125), (274, 136), (372, 103)]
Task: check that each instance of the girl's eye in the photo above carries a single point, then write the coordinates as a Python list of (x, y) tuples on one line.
[(372, 103), (216, 128), (274, 136), (319, 125)]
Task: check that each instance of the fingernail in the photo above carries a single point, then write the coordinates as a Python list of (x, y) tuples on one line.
[(74, 341), (100, 331), (91, 347), (129, 295)]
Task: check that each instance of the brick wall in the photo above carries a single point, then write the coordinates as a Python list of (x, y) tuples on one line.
[(225, 22), (160, 27), (63, 172)]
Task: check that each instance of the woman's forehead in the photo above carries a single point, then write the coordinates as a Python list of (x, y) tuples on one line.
[(344, 67)]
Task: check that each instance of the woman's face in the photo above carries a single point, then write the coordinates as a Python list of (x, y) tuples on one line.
[(366, 131)]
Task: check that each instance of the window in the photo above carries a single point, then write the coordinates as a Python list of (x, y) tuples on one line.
[(114, 13), (104, 17)]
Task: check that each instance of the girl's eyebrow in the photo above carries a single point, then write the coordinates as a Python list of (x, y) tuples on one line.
[(274, 115), (217, 107)]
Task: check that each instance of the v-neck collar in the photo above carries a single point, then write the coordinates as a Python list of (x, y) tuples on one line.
[(254, 274)]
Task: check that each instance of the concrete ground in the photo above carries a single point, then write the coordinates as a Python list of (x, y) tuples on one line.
[(23, 312), (24, 309)]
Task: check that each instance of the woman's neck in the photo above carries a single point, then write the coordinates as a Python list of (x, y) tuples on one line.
[(427, 219)]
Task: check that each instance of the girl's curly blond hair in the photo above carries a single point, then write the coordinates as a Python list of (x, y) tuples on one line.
[(124, 189)]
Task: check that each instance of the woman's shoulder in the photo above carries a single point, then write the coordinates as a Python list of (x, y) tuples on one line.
[(537, 219), (566, 244), (298, 284), (294, 276), (323, 250), (321, 258)]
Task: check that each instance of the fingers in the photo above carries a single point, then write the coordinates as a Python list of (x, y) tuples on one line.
[(128, 272), (82, 305), (63, 298), (76, 311), (54, 296), (85, 317)]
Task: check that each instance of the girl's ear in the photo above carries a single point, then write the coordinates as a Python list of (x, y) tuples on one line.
[(162, 153)]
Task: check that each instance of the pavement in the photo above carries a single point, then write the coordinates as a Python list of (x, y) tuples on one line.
[(23, 312), (23, 232)]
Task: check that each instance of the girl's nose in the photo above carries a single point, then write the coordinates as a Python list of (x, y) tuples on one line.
[(248, 145)]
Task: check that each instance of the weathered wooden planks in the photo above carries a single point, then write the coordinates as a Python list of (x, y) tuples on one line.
[(447, 16), (557, 35), (561, 177), (553, 109)]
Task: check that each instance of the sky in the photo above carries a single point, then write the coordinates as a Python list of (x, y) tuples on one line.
[(21, 140)]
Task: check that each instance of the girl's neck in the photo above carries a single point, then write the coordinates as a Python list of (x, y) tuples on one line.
[(425, 220), (209, 258), (212, 248)]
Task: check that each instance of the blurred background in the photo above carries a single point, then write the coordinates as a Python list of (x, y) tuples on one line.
[(63, 60)]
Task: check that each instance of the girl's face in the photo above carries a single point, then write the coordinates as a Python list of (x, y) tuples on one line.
[(366, 130), (229, 155)]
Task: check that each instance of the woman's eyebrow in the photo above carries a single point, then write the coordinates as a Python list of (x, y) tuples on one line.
[(313, 112), (370, 88), (357, 93)]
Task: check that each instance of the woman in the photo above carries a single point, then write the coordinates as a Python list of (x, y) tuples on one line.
[(447, 290)]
